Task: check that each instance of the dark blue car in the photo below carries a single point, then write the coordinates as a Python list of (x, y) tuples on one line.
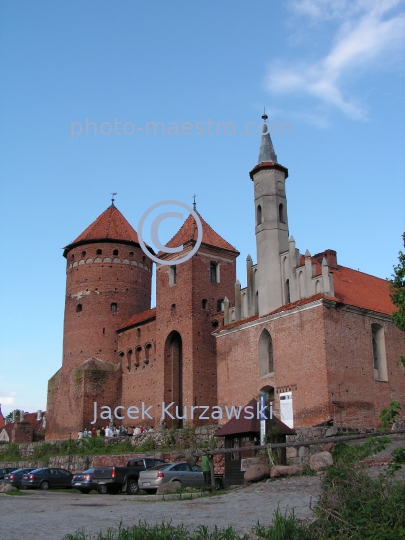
[(14, 478), (47, 477)]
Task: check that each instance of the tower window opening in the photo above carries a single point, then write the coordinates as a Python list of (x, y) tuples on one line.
[(204, 303), (148, 347), (115, 251), (131, 253), (214, 272), (173, 308), (72, 257), (143, 258), (173, 275), (281, 213), (138, 351), (103, 331), (114, 306), (79, 308), (99, 251), (214, 324), (138, 332), (259, 215), (220, 304), (83, 253)]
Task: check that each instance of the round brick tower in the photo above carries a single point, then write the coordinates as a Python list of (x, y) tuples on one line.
[(109, 280)]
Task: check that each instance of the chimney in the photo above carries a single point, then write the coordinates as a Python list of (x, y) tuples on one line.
[(330, 256), (39, 414)]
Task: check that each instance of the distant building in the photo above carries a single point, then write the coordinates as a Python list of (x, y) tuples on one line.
[(28, 427), (316, 337)]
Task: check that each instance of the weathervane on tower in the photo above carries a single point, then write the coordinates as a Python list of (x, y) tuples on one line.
[(112, 198)]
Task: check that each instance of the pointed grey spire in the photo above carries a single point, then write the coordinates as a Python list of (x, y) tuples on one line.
[(266, 146)]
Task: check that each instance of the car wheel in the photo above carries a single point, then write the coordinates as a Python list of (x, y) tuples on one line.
[(132, 487), (44, 484), (102, 490), (84, 491), (218, 484)]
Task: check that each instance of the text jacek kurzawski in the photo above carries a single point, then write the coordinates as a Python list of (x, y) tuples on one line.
[(200, 412)]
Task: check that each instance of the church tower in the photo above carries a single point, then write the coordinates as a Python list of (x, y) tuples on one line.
[(108, 280), (271, 224)]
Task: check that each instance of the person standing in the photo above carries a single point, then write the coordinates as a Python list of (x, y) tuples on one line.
[(206, 469)]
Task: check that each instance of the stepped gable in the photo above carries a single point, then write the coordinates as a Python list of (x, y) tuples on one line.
[(141, 318), (110, 225), (188, 232)]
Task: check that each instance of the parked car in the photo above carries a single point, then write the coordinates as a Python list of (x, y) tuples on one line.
[(182, 472), (14, 478), (46, 478), (84, 481), (6, 470), (115, 479)]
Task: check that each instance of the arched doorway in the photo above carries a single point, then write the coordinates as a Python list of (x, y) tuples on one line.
[(173, 383)]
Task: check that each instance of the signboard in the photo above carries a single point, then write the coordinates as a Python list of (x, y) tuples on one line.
[(286, 409)]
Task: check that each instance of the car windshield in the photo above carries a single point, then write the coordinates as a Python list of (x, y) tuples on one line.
[(160, 466)]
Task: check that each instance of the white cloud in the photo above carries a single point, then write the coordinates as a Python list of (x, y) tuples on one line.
[(7, 398), (364, 37)]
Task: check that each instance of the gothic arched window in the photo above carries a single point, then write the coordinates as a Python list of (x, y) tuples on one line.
[(266, 357)]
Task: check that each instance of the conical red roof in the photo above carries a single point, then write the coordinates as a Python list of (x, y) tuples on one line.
[(110, 225), (188, 232)]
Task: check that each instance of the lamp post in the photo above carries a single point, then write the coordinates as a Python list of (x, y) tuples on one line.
[(70, 440)]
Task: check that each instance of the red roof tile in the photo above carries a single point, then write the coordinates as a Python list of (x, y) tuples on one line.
[(31, 418), (143, 317), (111, 224), (362, 290), (188, 232)]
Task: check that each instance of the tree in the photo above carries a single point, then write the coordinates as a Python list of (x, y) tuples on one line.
[(397, 289)]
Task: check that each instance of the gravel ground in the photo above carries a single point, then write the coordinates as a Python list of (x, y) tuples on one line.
[(50, 515)]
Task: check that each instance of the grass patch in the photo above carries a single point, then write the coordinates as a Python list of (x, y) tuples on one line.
[(164, 531)]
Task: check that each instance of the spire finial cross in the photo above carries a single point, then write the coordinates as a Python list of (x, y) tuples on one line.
[(194, 203), (264, 115)]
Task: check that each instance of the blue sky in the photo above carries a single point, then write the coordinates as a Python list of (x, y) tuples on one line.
[(331, 70)]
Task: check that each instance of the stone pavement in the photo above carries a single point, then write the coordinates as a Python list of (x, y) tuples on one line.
[(50, 515)]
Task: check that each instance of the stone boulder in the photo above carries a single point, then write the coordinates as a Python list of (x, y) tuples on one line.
[(170, 487), (255, 473), (283, 470), (178, 457), (320, 461), (7, 488), (331, 432), (328, 447)]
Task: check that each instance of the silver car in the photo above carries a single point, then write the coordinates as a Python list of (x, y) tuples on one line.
[(188, 476)]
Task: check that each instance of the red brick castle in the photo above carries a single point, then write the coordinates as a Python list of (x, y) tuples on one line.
[(314, 336)]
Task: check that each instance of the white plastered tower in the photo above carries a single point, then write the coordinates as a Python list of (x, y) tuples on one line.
[(271, 225)]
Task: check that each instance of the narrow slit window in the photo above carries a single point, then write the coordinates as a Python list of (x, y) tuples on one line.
[(114, 307)]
